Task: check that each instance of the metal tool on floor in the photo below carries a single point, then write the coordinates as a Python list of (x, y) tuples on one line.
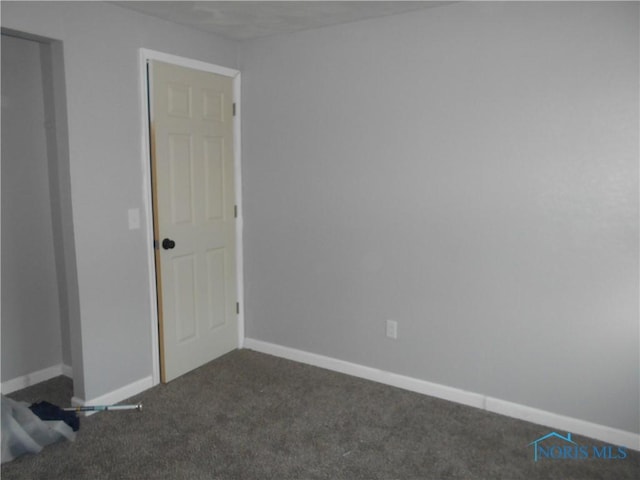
[(102, 408)]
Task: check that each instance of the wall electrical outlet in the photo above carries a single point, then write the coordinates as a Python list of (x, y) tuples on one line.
[(392, 329)]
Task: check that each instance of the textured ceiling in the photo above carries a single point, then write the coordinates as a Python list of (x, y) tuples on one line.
[(240, 20)]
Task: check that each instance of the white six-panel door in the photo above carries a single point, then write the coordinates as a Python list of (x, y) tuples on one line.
[(194, 221)]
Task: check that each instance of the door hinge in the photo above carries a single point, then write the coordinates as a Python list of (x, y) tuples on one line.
[(235, 211), (234, 109), (237, 308)]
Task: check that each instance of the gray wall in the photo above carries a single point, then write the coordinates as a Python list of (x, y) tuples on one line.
[(31, 320), (101, 43), (470, 171)]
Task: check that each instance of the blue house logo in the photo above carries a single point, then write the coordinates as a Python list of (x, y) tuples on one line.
[(540, 450), (564, 448)]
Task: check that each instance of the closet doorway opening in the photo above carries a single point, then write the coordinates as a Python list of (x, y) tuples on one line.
[(40, 304)]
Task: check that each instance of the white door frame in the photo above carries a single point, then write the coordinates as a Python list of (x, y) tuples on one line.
[(145, 56)]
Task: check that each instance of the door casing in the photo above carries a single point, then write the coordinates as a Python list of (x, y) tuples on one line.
[(145, 56)]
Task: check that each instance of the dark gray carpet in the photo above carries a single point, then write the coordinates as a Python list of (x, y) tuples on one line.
[(252, 416)]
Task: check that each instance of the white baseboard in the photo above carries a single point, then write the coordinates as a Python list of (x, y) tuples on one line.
[(34, 378), (116, 396), (67, 371), (610, 435), (522, 412)]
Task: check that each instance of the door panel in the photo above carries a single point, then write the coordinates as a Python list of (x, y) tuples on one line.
[(216, 274), (192, 125), (180, 161), (183, 279), (214, 177)]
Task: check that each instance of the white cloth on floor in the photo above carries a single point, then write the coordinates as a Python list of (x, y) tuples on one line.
[(24, 432)]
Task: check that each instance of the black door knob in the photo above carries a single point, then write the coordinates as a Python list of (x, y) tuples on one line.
[(168, 244)]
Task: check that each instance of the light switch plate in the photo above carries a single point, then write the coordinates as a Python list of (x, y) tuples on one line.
[(134, 218)]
